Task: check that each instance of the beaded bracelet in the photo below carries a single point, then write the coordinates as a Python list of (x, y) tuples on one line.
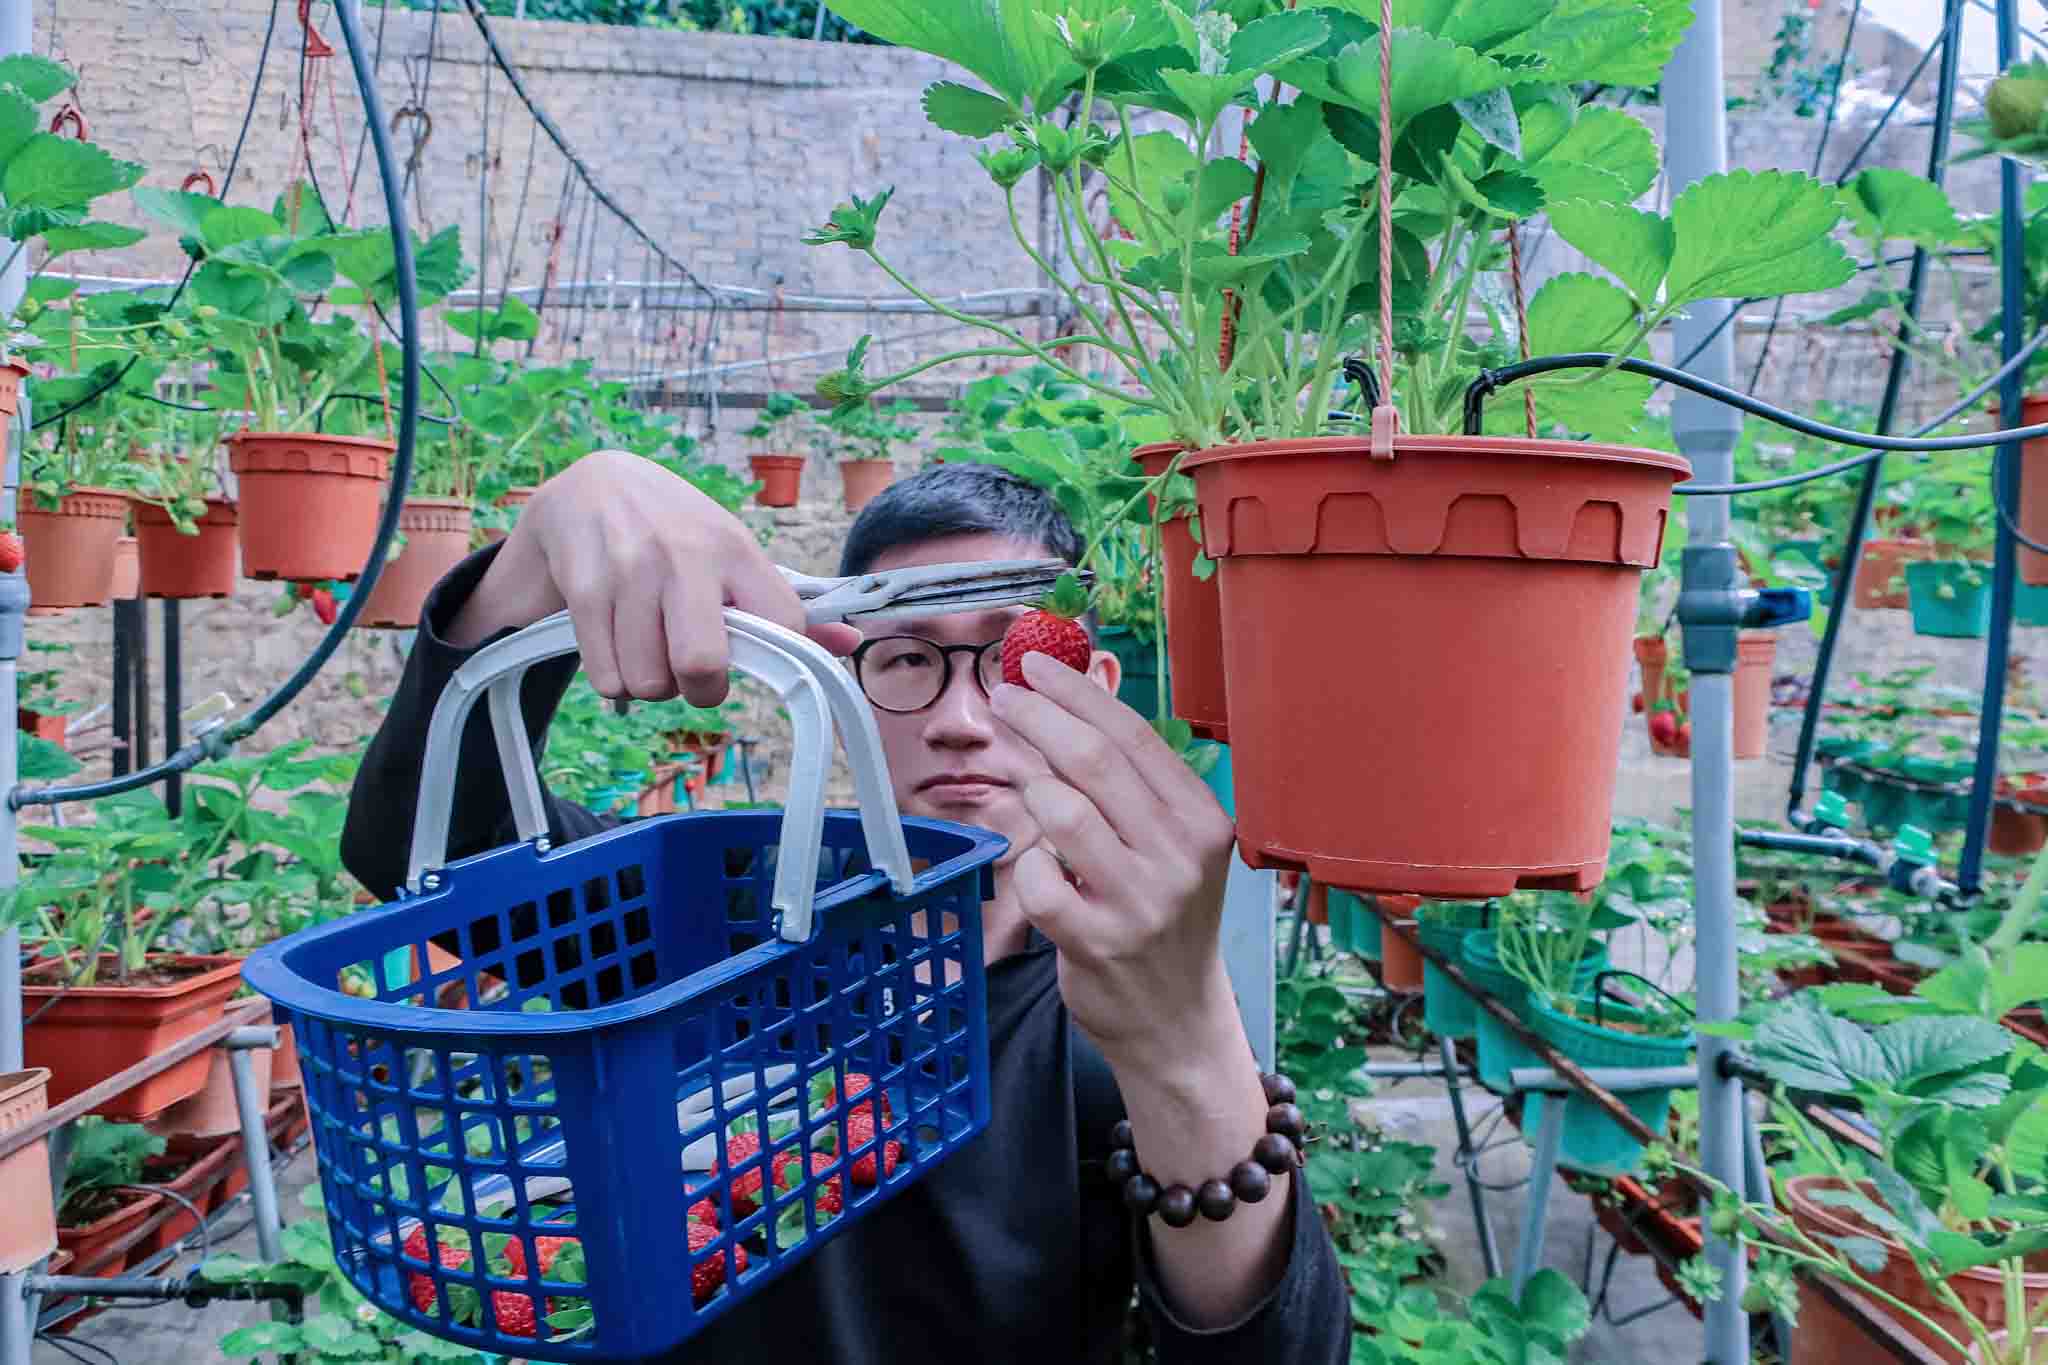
[(1251, 1180)]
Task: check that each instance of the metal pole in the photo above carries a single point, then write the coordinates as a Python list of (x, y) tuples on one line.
[(256, 1152), (174, 702), (1696, 146), (1489, 1253), (1536, 1212), (2005, 485), (125, 614)]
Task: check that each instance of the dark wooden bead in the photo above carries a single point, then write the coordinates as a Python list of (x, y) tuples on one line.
[(1279, 1090), (1249, 1182), (1275, 1153), (1121, 1165), (1177, 1206), (1120, 1135), (1286, 1120), (1141, 1192), (1215, 1200)]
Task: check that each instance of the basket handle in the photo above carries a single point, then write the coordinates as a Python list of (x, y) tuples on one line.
[(807, 679)]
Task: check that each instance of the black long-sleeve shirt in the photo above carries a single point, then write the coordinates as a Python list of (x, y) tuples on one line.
[(1016, 1247)]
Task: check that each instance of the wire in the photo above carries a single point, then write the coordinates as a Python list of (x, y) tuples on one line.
[(198, 1214), (75, 1347)]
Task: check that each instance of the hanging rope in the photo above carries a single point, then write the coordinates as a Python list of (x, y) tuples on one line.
[(1521, 321), (1386, 418)]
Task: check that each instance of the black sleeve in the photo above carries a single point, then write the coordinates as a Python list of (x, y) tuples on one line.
[(377, 839), (1305, 1320)]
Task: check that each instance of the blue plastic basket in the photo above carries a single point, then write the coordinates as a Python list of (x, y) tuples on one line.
[(616, 1005)]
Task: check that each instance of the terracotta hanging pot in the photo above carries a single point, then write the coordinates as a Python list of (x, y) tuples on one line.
[(2032, 514), (1454, 622), (175, 565), (436, 540), (70, 551), (89, 1033), (514, 498), (863, 479), (2016, 832), (1881, 563), (12, 373), (780, 476), (1652, 655), (126, 583), (28, 1216), (1194, 618), (1756, 650), (309, 503)]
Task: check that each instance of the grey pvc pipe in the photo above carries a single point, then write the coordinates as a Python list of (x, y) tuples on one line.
[(1615, 1080), (256, 1152)]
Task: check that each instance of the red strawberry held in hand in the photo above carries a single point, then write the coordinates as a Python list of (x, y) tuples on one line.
[(1054, 628), (707, 1275), (11, 551)]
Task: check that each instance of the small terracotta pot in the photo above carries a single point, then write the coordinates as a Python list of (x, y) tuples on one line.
[(105, 1246), (1400, 959), (309, 503), (284, 1064), (70, 552), (54, 726), (206, 1169), (1653, 654), (2032, 515), (1420, 608), (781, 478), (511, 497), (1880, 563), (436, 540), (93, 1032), (1755, 650), (126, 584), (1194, 618), (12, 372), (863, 479), (1318, 903), (2015, 833), (210, 1111), (179, 566), (28, 1216)]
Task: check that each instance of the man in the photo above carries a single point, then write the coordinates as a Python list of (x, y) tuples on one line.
[(1107, 995)]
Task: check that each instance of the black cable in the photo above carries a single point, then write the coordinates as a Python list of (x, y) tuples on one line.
[(217, 741), (320, 413), (227, 179), (198, 1214), (75, 1347)]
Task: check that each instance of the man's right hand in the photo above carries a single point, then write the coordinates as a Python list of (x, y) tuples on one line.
[(645, 562)]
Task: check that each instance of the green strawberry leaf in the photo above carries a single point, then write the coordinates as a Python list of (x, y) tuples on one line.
[(262, 1338), (52, 172), (89, 237), (1428, 72), (1631, 244), (19, 122), (1579, 312), (1890, 205), (1068, 598), (962, 109), (1618, 144), (180, 210), (38, 78), (1754, 234)]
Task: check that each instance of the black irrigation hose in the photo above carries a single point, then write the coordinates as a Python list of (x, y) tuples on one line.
[(216, 742)]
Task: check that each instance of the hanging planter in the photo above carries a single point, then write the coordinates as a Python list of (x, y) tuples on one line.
[(2032, 513), (780, 476), (436, 540), (175, 565), (1194, 617), (70, 551), (309, 502), (1756, 651), (1447, 1008), (126, 583), (1423, 608), (1400, 962), (861, 480), (2016, 831), (12, 373), (89, 1033), (1950, 600), (1880, 564), (514, 500), (28, 1216), (1606, 1034), (1354, 928), (1652, 655), (1497, 1049)]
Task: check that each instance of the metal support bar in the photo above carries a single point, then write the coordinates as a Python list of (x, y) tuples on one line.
[(1536, 1211), (126, 612), (1489, 1253), (1616, 1080), (256, 1151), (174, 703)]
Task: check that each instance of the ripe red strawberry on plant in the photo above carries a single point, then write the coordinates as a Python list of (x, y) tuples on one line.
[(708, 1274), (1054, 628), (11, 551)]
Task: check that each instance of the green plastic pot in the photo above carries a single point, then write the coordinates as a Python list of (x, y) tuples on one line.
[(1353, 927), (1498, 1051), (1139, 657), (2030, 607), (1594, 1142), (1447, 1008), (1949, 600), (1887, 805)]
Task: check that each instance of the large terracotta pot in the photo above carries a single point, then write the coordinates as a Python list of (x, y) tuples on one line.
[(2033, 509), (1825, 1337), (126, 581), (1755, 650), (1194, 618), (28, 1216), (91, 1032), (436, 540), (1880, 564), (182, 566), (863, 479), (70, 551), (309, 502), (1427, 656), (781, 478), (514, 498)]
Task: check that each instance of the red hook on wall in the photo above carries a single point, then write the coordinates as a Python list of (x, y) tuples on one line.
[(316, 46), (200, 177), (70, 114)]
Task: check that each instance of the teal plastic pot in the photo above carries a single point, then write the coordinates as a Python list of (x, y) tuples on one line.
[(1446, 1007), (1886, 805), (1949, 600), (1498, 1051), (1354, 928), (2030, 607), (1593, 1142), (1139, 657)]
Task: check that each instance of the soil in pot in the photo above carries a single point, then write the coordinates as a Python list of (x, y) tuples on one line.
[(436, 540), (1468, 594), (92, 1032), (70, 551), (1880, 563), (1194, 620), (28, 1219), (181, 566), (861, 480), (780, 476), (309, 503)]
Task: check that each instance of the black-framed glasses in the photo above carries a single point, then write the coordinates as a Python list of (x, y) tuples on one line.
[(907, 673)]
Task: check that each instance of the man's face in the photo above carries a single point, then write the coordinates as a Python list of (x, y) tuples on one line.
[(954, 760)]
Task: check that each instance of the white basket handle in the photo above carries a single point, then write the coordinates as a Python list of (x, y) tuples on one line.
[(807, 679)]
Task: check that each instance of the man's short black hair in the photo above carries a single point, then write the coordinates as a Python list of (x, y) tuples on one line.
[(957, 500)]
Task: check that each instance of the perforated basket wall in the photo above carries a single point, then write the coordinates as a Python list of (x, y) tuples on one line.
[(538, 1019)]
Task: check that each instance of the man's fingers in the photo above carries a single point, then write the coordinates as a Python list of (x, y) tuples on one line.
[(1153, 759), (699, 656), (1086, 758)]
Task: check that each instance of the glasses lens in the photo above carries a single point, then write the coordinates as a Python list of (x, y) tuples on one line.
[(899, 673), (990, 662)]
